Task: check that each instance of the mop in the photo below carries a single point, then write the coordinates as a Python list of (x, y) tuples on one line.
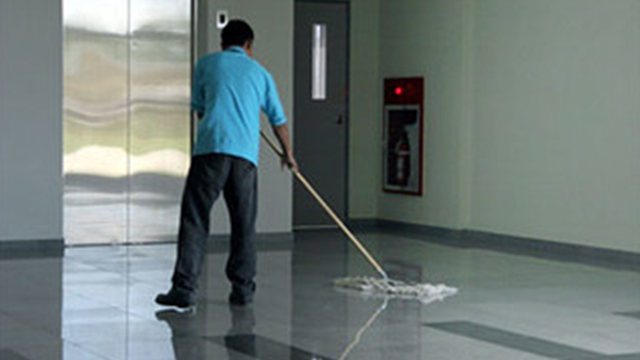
[(383, 286)]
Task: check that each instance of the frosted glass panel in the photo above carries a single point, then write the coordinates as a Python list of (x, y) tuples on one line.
[(319, 62)]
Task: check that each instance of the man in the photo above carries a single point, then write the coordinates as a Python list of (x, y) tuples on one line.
[(229, 90)]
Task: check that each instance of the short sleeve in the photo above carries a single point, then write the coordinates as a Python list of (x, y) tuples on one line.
[(272, 106), (197, 91)]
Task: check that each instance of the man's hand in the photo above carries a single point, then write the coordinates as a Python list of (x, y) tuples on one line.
[(286, 158), (290, 162)]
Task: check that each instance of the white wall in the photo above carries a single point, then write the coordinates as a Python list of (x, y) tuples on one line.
[(557, 120), (532, 116), (30, 120), (424, 38), (364, 113), (272, 22)]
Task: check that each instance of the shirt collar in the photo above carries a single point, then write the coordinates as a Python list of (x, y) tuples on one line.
[(236, 49)]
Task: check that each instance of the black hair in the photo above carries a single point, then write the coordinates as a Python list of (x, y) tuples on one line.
[(236, 33)]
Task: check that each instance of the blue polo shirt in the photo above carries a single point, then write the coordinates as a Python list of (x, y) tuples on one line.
[(230, 89)]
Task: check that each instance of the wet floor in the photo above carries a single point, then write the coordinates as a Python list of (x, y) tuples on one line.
[(97, 303)]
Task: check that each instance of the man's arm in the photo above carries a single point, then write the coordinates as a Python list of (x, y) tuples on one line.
[(282, 134)]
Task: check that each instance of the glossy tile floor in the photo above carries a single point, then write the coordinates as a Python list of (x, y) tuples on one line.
[(97, 303)]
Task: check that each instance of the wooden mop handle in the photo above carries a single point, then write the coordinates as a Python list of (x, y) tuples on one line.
[(328, 210)]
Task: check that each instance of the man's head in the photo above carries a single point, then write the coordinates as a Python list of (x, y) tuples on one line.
[(237, 33)]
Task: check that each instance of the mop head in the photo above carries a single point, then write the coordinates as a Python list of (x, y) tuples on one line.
[(386, 288)]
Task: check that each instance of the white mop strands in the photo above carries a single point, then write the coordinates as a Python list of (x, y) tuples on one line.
[(382, 287), (386, 288)]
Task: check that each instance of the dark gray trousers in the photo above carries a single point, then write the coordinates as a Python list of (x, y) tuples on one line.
[(236, 178)]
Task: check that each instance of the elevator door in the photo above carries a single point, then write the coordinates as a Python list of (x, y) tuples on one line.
[(126, 118), (320, 115)]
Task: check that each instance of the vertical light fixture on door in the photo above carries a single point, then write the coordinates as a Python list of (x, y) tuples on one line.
[(319, 62)]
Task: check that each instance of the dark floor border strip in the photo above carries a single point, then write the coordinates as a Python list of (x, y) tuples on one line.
[(515, 341), (260, 237), (631, 314), (265, 242), (471, 239), (262, 348), (8, 354), (28, 249), (620, 357)]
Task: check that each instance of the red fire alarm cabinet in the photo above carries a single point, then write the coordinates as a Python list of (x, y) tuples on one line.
[(403, 135)]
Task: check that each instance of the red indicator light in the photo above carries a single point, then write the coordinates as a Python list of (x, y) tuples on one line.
[(398, 90)]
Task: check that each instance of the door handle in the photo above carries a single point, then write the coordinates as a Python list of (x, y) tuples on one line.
[(340, 120)]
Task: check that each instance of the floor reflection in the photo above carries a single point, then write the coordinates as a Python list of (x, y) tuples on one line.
[(240, 338), (186, 334), (96, 303)]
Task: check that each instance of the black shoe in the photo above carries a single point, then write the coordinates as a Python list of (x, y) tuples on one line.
[(177, 298), (237, 300), (242, 295)]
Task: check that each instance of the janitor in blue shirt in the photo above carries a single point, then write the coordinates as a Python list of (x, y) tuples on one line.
[(230, 89)]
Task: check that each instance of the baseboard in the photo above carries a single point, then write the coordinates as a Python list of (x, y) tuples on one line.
[(22, 249), (553, 250), (54, 248), (445, 236)]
